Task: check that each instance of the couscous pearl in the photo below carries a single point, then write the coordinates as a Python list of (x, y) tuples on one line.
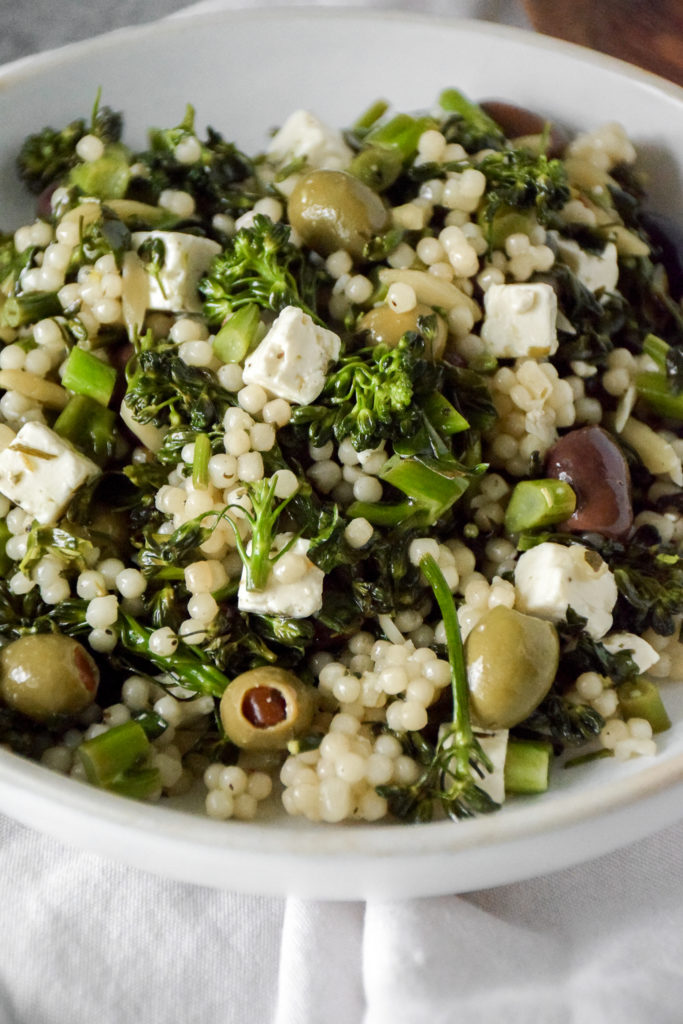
[(368, 488), (12, 357), (237, 442), (245, 807), (250, 467), (639, 728), (91, 583), (230, 376), (222, 469), (58, 590), (259, 785), (178, 202), (290, 567), (358, 288), (406, 770), (252, 398), (109, 569), (219, 805), (169, 709), (401, 297), (102, 611), (339, 263), (135, 693), (89, 148), (212, 775), (278, 411), (38, 361), (131, 583), (103, 640), (196, 353), (358, 532), (202, 606), (589, 685), (325, 475), (269, 207), (188, 150), (286, 483), (58, 759), (262, 437), (186, 329)]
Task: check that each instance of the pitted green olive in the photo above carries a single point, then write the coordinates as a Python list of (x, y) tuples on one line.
[(332, 210), (265, 708), (386, 327), (512, 661), (47, 674)]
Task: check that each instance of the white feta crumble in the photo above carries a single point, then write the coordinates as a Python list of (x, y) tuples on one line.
[(495, 745), (551, 578), (186, 259), (292, 359), (304, 136), (40, 472), (295, 600), (643, 655), (597, 271), (520, 320)]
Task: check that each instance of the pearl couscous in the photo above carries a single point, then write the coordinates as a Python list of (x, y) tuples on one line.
[(347, 477)]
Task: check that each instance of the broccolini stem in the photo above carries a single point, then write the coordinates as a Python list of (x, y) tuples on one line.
[(200, 462), (187, 665), (462, 728), (19, 310)]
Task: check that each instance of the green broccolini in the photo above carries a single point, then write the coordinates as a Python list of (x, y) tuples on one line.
[(46, 157), (261, 265)]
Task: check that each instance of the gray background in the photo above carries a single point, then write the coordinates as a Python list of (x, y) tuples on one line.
[(36, 25)]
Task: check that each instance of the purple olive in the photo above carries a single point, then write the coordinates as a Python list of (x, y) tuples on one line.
[(517, 122), (593, 464)]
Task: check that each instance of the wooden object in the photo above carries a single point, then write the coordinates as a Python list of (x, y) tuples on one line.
[(648, 33)]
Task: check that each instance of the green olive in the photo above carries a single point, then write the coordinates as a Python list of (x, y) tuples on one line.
[(47, 674), (265, 708), (512, 660), (387, 328), (333, 210)]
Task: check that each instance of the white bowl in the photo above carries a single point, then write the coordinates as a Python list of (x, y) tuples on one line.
[(244, 72)]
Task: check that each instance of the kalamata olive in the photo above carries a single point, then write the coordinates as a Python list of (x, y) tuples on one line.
[(512, 660), (333, 210), (386, 327), (593, 465), (264, 708), (519, 123), (47, 674)]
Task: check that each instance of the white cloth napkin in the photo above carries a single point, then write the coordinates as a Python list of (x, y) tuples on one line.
[(88, 940)]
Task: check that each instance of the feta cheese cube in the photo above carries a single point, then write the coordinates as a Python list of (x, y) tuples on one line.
[(598, 271), (495, 745), (643, 655), (304, 136), (520, 320), (292, 359), (40, 472), (550, 578), (186, 259), (295, 600)]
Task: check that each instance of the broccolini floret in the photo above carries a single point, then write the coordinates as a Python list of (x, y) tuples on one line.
[(47, 156), (260, 265), (373, 395), (520, 179), (212, 177)]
